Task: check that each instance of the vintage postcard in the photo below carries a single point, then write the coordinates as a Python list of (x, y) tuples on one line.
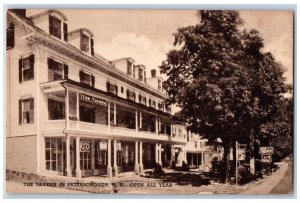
[(149, 101)]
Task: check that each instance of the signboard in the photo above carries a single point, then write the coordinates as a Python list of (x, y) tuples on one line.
[(241, 153), (266, 150), (103, 145), (93, 100), (85, 146), (266, 158)]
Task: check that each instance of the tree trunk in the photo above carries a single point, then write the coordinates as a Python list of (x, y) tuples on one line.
[(225, 159), (234, 169)]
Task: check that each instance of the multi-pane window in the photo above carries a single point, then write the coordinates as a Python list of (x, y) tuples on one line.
[(141, 74), (112, 88), (130, 95), (55, 154), (54, 27), (129, 68), (57, 70), (143, 100), (56, 109), (26, 68), (152, 103), (10, 36), (160, 106), (84, 43), (85, 155), (87, 78), (26, 111)]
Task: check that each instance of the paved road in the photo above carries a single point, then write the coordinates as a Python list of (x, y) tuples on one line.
[(275, 183)]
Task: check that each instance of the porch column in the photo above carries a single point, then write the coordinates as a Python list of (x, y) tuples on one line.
[(115, 159), (156, 153), (68, 157), (78, 170), (156, 125), (136, 121), (109, 169), (115, 114), (141, 120), (159, 154), (77, 110), (136, 164), (67, 108), (202, 160), (141, 158), (192, 159), (108, 114), (92, 154)]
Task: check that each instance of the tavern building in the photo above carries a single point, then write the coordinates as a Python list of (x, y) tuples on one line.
[(71, 112)]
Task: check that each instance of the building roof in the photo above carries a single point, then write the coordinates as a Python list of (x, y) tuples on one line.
[(47, 12)]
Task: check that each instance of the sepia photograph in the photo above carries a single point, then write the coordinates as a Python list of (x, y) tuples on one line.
[(149, 101)]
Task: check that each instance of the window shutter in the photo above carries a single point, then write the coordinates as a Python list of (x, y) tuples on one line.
[(116, 89), (81, 75), (20, 111), (31, 62), (31, 110), (50, 63), (20, 69), (107, 86), (50, 24), (66, 71), (92, 47), (140, 98), (93, 81), (65, 27), (144, 76)]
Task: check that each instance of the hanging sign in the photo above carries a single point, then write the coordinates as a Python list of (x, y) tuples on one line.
[(266, 150), (85, 146), (103, 145), (93, 100), (241, 154)]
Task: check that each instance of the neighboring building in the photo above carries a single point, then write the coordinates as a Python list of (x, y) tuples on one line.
[(70, 112)]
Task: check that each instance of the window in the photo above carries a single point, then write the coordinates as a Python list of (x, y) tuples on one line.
[(54, 27), (87, 78), (160, 106), (122, 90), (55, 154), (87, 114), (130, 95), (56, 110), (143, 100), (57, 70), (85, 155), (112, 88), (84, 43), (26, 68), (10, 36), (26, 111), (129, 68), (152, 103)]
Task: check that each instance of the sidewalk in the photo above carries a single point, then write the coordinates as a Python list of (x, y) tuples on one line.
[(265, 186)]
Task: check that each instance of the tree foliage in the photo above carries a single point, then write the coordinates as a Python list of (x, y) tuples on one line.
[(220, 78)]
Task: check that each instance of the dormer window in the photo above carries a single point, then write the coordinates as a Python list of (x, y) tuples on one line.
[(129, 68), (141, 74), (54, 27), (84, 43)]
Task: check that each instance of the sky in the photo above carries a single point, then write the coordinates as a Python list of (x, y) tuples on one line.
[(146, 35)]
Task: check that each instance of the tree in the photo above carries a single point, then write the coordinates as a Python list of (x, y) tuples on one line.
[(220, 78)]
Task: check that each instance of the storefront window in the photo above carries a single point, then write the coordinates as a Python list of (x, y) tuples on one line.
[(55, 154), (85, 154)]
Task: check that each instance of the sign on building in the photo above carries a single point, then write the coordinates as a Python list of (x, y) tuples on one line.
[(241, 154), (103, 145), (93, 100), (85, 146), (266, 158)]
